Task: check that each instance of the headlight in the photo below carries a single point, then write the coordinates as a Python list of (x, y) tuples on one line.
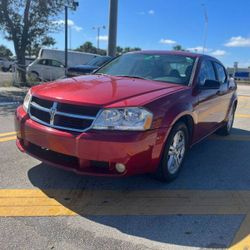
[(137, 119), (26, 101)]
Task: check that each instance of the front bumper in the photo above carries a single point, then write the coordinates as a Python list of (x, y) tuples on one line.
[(92, 152)]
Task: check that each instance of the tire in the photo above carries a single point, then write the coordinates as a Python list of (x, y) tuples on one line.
[(34, 76), (169, 166), (227, 128), (5, 69)]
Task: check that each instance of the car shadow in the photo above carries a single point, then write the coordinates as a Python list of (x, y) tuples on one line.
[(214, 164)]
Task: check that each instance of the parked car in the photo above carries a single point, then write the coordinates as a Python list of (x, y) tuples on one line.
[(5, 64), (138, 114), (84, 69), (50, 63), (45, 69)]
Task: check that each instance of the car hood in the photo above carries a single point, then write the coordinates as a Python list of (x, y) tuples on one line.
[(83, 68), (100, 90)]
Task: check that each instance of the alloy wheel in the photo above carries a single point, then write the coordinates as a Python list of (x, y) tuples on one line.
[(176, 152)]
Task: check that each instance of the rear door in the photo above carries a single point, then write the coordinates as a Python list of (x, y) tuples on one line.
[(226, 92), (57, 69), (41, 67)]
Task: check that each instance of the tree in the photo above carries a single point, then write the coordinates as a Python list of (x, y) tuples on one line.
[(120, 50), (178, 47), (5, 52), (25, 22), (90, 48), (87, 47), (34, 48)]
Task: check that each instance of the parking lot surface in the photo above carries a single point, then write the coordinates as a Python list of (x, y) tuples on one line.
[(207, 207)]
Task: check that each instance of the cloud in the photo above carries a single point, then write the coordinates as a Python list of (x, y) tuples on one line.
[(167, 41), (77, 28), (218, 52), (149, 12), (238, 41), (212, 52), (103, 38), (70, 24)]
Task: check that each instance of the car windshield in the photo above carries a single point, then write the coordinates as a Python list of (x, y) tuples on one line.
[(159, 67), (98, 61)]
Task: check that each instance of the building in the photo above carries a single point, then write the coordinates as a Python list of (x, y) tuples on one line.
[(240, 74)]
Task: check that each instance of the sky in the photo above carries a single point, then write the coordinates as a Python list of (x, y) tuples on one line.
[(161, 24)]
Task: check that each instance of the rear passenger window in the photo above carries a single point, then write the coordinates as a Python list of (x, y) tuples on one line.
[(55, 63), (206, 72), (42, 62), (222, 77)]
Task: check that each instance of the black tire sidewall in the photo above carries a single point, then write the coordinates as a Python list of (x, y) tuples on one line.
[(224, 131), (163, 172), (230, 129)]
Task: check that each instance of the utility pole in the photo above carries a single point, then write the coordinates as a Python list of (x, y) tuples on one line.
[(98, 28), (72, 5), (66, 39), (205, 28), (113, 13)]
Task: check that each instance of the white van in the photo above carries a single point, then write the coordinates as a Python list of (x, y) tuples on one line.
[(50, 63)]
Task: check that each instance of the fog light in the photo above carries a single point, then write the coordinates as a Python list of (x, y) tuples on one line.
[(120, 167)]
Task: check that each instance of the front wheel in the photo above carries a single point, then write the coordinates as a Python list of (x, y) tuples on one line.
[(174, 153)]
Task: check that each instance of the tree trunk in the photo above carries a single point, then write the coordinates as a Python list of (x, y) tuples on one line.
[(21, 69)]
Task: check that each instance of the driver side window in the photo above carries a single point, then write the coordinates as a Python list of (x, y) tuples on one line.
[(206, 72)]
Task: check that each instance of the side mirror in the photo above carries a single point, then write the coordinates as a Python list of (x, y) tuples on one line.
[(211, 84)]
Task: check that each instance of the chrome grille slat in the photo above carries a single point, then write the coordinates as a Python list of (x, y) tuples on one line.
[(40, 114), (39, 107)]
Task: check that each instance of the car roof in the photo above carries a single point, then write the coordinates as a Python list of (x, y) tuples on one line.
[(174, 52)]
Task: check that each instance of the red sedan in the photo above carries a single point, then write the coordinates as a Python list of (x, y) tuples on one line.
[(138, 114)]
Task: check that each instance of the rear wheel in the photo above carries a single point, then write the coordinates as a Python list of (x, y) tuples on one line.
[(226, 129), (34, 76), (174, 153)]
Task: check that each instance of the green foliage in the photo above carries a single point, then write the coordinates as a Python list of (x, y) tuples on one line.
[(120, 50), (28, 21), (87, 47), (34, 48), (178, 48), (5, 52), (90, 48)]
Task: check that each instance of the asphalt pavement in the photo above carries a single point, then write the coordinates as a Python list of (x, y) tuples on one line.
[(207, 207)]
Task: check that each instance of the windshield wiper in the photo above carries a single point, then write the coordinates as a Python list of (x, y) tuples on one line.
[(138, 77)]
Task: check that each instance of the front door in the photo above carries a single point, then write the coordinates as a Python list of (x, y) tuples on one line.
[(209, 109)]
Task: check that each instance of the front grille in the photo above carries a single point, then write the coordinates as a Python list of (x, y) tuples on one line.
[(40, 114), (44, 103), (62, 116)]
